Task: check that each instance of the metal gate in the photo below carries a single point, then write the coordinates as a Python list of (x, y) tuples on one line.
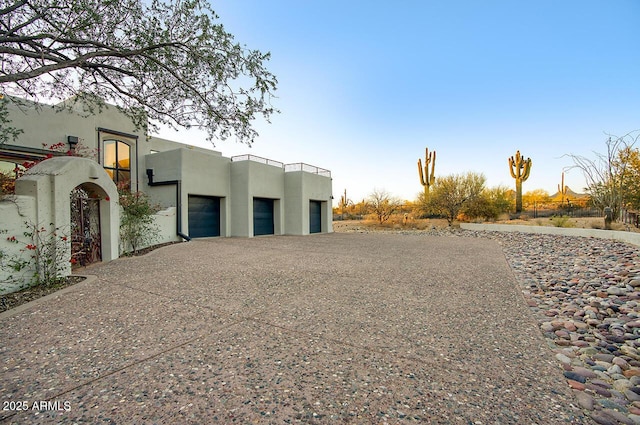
[(85, 228)]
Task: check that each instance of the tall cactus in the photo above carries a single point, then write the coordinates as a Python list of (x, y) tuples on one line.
[(563, 190), (520, 169), (427, 179)]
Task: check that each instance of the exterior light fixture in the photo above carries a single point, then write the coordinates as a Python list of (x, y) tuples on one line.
[(72, 141)]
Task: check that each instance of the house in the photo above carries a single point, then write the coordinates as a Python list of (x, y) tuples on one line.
[(200, 192)]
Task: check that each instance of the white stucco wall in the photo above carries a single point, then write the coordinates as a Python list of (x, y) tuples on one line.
[(165, 219), (159, 144), (250, 179), (15, 211), (300, 188), (54, 126), (201, 172)]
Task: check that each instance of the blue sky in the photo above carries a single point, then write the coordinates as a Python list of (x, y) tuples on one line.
[(365, 86)]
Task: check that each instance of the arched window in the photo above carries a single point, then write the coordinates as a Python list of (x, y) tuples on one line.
[(117, 162)]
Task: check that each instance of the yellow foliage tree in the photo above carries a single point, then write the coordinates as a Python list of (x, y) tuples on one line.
[(537, 196)]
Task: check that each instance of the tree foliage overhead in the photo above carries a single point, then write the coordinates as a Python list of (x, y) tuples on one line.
[(170, 62)]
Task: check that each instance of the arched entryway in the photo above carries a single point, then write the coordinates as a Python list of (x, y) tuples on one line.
[(86, 241), (51, 183)]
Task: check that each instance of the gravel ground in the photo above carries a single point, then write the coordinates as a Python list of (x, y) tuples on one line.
[(353, 328)]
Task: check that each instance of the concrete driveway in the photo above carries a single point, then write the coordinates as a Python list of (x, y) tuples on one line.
[(353, 328)]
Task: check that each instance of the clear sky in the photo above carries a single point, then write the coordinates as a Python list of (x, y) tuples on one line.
[(365, 86)]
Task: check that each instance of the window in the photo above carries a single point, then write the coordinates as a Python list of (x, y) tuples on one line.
[(10, 168), (9, 172), (117, 162)]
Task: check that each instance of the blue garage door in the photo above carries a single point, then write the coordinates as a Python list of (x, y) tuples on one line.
[(263, 216), (315, 216), (204, 216)]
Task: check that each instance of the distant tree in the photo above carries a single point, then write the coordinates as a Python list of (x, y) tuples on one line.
[(421, 207), (168, 61), (631, 187), (451, 194), (490, 203), (501, 198), (608, 174), (536, 196), (382, 204)]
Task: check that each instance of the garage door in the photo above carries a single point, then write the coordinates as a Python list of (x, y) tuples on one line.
[(262, 216), (204, 216), (315, 216)]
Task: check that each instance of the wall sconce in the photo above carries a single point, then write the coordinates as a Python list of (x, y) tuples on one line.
[(72, 141)]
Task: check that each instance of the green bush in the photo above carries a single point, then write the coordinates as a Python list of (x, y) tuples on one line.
[(562, 221), (137, 226)]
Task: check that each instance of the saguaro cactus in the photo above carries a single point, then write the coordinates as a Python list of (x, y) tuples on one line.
[(563, 190), (520, 169), (427, 179)]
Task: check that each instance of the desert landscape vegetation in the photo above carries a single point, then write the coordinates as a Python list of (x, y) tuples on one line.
[(610, 201)]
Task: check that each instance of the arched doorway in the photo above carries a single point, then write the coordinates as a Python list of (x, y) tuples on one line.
[(51, 183), (85, 226)]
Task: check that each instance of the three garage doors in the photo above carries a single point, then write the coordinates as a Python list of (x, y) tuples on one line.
[(204, 216)]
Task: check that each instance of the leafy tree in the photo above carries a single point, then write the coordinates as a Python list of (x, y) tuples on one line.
[(501, 198), (609, 174), (382, 204), (536, 196), (631, 184), (490, 203), (454, 192), (7, 132), (168, 61)]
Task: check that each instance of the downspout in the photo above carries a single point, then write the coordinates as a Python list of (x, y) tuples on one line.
[(178, 185)]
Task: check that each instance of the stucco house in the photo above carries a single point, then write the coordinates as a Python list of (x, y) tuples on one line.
[(200, 192)]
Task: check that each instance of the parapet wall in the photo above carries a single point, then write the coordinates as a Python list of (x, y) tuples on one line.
[(629, 237)]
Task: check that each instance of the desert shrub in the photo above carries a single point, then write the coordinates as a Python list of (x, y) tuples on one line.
[(137, 226), (595, 224), (562, 221), (41, 259), (383, 205)]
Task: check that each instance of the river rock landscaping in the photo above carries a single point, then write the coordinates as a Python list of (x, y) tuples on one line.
[(586, 294)]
